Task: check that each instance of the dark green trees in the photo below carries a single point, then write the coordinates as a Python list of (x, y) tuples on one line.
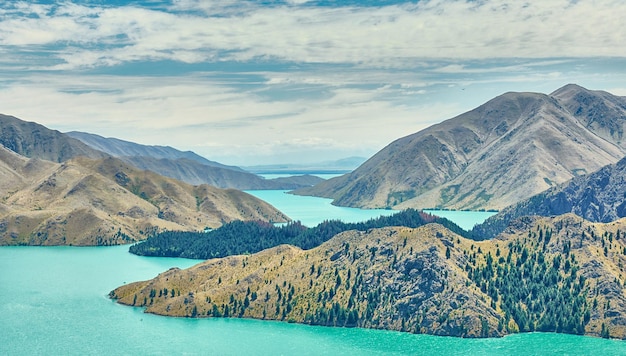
[(241, 237)]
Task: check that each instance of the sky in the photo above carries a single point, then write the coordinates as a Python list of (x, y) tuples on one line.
[(263, 82)]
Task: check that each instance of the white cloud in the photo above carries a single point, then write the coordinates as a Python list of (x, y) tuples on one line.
[(342, 80), (383, 36), (214, 119)]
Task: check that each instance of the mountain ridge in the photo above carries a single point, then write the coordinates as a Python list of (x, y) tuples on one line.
[(121, 148), (597, 197), (85, 201), (33, 140), (188, 166), (510, 148), (421, 280)]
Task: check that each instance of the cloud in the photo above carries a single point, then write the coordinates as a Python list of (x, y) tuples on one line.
[(373, 36), (212, 118), (241, 82)]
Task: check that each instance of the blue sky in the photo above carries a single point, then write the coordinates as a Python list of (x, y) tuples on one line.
[(259, 82)]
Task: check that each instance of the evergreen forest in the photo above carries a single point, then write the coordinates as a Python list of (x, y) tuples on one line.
[(247, 237)]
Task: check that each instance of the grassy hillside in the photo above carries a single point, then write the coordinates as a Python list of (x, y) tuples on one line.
[(558, 274), (103, 202)]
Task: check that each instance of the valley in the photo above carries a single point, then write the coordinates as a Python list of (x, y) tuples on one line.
[(551, 262)]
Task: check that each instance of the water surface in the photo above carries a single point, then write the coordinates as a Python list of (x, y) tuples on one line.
[(312, 210), (53, 301)]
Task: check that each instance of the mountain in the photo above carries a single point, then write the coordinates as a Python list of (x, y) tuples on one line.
[(120, 148), (188, 166), (508, 149), (86, 201), (561, 274), (36, 141), (597, 197)]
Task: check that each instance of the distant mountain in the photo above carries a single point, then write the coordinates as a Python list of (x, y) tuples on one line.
[(597, 197), (504, 151), (339, 166), (188, 166), (36, 141), (120, 148), (106, 201), (559, 274)]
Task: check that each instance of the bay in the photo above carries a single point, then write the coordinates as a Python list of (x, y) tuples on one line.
[(312, 210), (465, 219), (53, 301)]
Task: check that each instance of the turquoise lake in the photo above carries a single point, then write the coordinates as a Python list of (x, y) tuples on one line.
[(53, 301), (311, 211)]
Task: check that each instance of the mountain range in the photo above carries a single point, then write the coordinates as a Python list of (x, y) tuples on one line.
[(188, 166), (57, 190), (506, 150), (34, 140), (85, 201)]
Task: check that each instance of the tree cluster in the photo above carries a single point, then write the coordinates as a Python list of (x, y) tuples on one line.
[(246, 237), (536, 290)]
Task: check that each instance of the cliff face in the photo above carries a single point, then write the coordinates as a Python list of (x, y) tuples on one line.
[(102, 202), (504, 151), (551, 274)]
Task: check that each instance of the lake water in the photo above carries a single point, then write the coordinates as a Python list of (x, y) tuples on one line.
[(53, 301), (311, 211)]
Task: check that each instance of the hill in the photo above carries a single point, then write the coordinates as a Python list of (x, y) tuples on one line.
[(597, 197), (188, 166), (120, 148), (559, 274), (508, 149), (36, 141), (241, 237), (84, 201)]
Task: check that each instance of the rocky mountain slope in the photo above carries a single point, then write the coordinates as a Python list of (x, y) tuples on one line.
[(84, 201), (36, 141), (597, 197), (120, 148), (512, 147), (559, 274), (188, 166)]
